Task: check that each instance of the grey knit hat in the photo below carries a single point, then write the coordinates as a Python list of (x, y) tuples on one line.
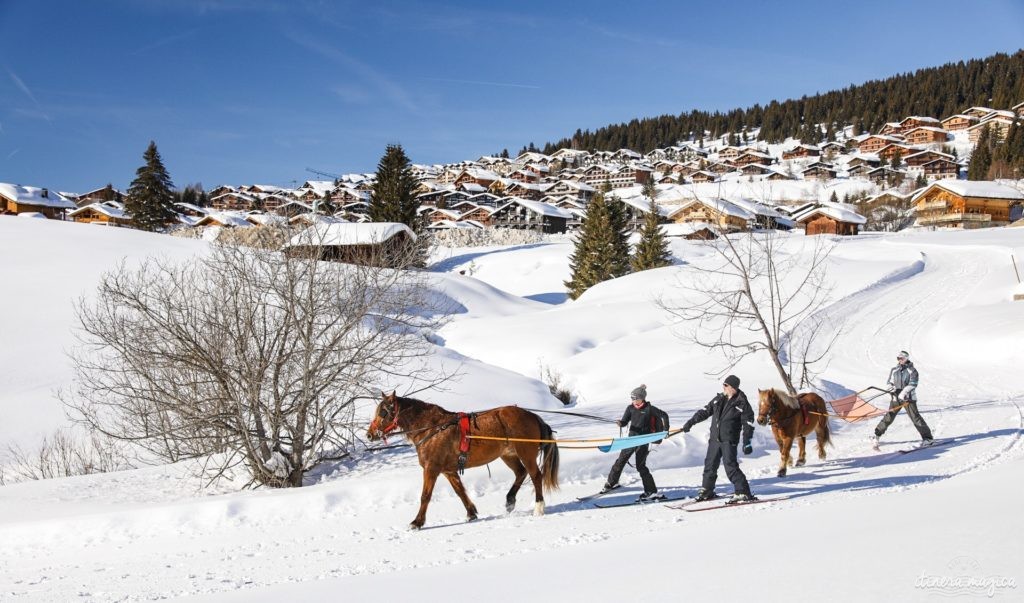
[(732, 380), (639, 393)]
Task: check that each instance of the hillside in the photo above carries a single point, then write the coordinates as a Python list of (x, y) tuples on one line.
[(945, 296), (996, 81)]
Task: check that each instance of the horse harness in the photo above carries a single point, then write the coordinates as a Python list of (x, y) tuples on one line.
[(771, 410)]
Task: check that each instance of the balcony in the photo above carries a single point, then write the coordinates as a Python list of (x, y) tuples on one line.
[(950, 218), (930, 205)]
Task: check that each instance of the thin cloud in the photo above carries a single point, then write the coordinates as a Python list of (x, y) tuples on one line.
[(13, 153), (482, 83), (32, 114), (642, 40), (385, 85), (166, 41), (28, 92)]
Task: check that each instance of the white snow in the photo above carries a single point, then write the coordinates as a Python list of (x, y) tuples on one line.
[(859, 526)]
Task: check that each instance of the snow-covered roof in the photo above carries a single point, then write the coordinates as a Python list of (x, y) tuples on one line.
[(225, 218), (265, 219), (538, 207), (349, 233), (113, 210), (320, 187), (833, 210), (929, 120), (686, 228), (721, 206), (454, 224), (761, 209), (976, 188), (190, 207), (31, 195)]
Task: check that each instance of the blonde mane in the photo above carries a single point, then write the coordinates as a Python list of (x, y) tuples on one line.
[(786, 399)]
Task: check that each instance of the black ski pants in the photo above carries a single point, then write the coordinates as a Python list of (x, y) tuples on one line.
[(641, 467), (723, 453)]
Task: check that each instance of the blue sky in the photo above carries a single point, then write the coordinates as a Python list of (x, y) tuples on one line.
[(239, 92)]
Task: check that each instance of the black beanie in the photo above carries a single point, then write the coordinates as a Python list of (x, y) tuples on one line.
[(733, 380)]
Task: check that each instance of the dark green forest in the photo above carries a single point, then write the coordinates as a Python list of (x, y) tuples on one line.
[(996, 82)]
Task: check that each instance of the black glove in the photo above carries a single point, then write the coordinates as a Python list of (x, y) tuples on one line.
[(687, 426), (747, 448)]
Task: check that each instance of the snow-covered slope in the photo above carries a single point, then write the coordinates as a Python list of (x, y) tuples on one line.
[(859, 525)]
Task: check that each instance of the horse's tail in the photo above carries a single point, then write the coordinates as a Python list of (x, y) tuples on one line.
[(824, 435), (549, 457)]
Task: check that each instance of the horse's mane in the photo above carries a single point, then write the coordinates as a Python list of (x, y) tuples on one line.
[(421, 405), (786, 399)]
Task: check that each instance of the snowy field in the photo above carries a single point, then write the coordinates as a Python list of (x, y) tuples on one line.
[(927, 525)]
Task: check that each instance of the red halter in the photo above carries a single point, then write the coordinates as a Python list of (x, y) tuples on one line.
[(391, 426)]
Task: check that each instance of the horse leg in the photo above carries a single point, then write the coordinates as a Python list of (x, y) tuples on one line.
[(802, 457), (787, 444), (529, 459), (519, 470), (822, 436), (429, 478), (460, 490)]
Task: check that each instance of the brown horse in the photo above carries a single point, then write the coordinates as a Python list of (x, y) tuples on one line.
[(436, 434), (793, 417)]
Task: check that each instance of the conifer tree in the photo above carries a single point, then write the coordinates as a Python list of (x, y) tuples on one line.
[(393, 198), (981, 158), (593, 259), (834, 198), (150, 199), (652, 249)]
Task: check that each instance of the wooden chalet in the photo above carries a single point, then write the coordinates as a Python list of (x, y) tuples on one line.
[(107, 193), (723, 215), (819, 171), (371, 243), (891, 150), (966, 204), (957, 122), (979, 112), (801, 151), (701, 176), (939, 169), (234, 201), (875, 142), (752, 157), (106, 213), (882, 173), (916, 121), (998, 125), (891, 127), (225, 219), (830, 218), (730, 152), (530, 215), (18, 199), (926, 135), (922, 157)]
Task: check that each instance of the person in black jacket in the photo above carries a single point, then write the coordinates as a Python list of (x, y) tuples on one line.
[(642, 418), (730, 414)]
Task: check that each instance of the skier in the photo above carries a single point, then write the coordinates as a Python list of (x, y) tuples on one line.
[(903, 386), (730, 414), (643, 418)]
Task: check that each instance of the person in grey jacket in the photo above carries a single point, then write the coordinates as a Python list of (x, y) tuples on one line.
[(903, 384), (642, 417)]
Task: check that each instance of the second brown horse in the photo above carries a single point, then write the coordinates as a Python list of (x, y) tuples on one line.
[(794, 417), (435, 433)]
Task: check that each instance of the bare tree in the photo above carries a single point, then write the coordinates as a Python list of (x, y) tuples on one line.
[(249, 358), (64, 454), (760, 292)]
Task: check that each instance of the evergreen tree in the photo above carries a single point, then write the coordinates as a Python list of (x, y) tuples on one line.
[(393, 198), (188, 195), (920, 181), (981, 158), (652, 249), (593, 259), (834, 198), (203, 200), (150, 198)]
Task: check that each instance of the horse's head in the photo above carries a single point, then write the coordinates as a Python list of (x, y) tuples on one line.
[(385, 418), (766, 404)]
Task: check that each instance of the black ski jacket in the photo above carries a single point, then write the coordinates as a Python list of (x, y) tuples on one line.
[(646, 419), (728, 418)]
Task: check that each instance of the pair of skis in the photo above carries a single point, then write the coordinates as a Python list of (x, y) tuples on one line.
[(624, 503), (697, 505)]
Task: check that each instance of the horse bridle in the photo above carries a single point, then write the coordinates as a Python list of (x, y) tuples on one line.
[(391, 426)]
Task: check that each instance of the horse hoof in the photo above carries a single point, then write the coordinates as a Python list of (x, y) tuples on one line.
[(801, 463), (471, 517), (538, 509), (509, 507), (782, 473), (415, 527)]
